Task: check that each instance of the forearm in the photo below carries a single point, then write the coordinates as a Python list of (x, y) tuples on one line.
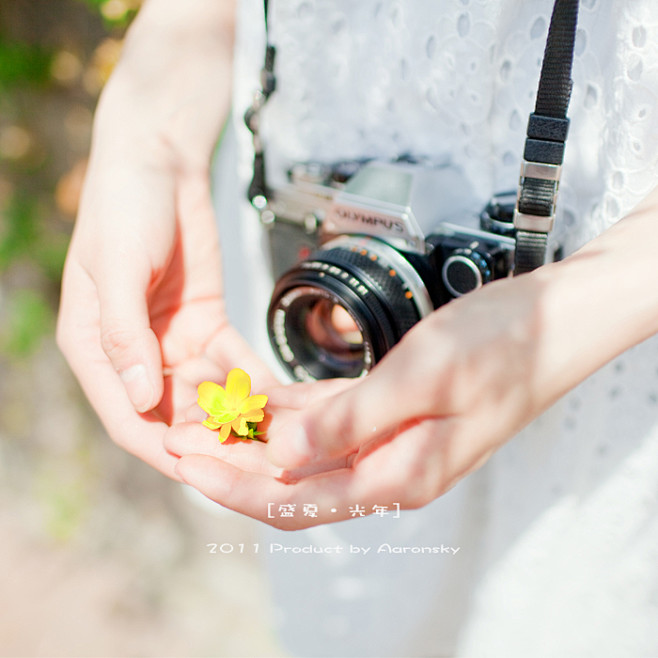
[(600, 301), (173, 81)]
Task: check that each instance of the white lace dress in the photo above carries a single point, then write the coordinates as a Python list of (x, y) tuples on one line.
[(558, 533)]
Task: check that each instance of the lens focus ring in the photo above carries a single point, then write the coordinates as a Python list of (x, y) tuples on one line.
[(373, 282), (380, 279)]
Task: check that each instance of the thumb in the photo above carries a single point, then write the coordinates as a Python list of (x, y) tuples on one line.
[(126, 335)]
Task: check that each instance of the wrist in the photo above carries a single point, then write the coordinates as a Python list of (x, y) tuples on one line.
[(170, 93), (600, 301), (186, 23)]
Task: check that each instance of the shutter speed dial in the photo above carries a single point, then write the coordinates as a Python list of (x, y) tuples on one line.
[(465, 270)]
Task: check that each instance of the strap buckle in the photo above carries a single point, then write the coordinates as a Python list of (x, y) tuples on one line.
[(544, 172), (540, 170), (534, 223)]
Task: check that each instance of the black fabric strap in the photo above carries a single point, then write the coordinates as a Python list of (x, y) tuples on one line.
[(548, 128), (258, 191), (555, 83), (530, 250), (543, 154), (268, 81)]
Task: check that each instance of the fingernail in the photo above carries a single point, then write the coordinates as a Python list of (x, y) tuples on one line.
[(138, 387), (293, 447)]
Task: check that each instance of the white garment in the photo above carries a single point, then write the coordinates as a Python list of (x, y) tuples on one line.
[(558, 532)]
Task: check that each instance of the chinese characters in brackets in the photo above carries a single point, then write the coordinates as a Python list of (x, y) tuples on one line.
[(311, 510)]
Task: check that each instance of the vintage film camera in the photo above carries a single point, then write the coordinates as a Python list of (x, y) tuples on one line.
[(354, 268), (364, 267)]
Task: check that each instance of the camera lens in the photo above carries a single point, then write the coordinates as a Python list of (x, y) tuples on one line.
[(319, 343), (337, 313), (331, 327)]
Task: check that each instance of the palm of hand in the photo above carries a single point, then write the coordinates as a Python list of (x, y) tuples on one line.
[(150, 294)]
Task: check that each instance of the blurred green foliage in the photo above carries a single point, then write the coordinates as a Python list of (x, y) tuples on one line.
[(22, 63), (19, 231), (29, 317), (115, 14), (24, 236), (34, 157)]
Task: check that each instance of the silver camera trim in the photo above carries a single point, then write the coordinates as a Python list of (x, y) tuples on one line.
[(395, 201)]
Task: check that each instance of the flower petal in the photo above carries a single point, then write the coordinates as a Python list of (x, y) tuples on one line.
[(238, 386), (253, 402), (254, 416), (211, 423), (212, 398), (240, 426), (224, 431), (225, 416)]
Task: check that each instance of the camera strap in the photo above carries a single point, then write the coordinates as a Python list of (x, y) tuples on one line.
[(258, 192), (543, 154)]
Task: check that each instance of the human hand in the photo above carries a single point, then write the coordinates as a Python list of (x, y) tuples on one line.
[(142, 317), (460, 384)]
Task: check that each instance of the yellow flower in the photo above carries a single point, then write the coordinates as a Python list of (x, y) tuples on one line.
[(233, 408)]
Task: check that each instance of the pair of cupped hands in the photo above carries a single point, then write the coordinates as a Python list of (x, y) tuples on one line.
[(143, 322)]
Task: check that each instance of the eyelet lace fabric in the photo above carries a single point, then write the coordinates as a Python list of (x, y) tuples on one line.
[(558, 533)]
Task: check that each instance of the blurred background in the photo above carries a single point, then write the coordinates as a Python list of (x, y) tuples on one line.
[(99, 555)]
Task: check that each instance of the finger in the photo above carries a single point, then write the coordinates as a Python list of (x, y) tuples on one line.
[(393, 393), (140, 435), (300, 395), (260, 496), (126, 335), (404, 473), (193, 438), (123, 239), (78, 338)]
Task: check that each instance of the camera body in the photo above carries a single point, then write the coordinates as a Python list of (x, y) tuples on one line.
[(356, 267)]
